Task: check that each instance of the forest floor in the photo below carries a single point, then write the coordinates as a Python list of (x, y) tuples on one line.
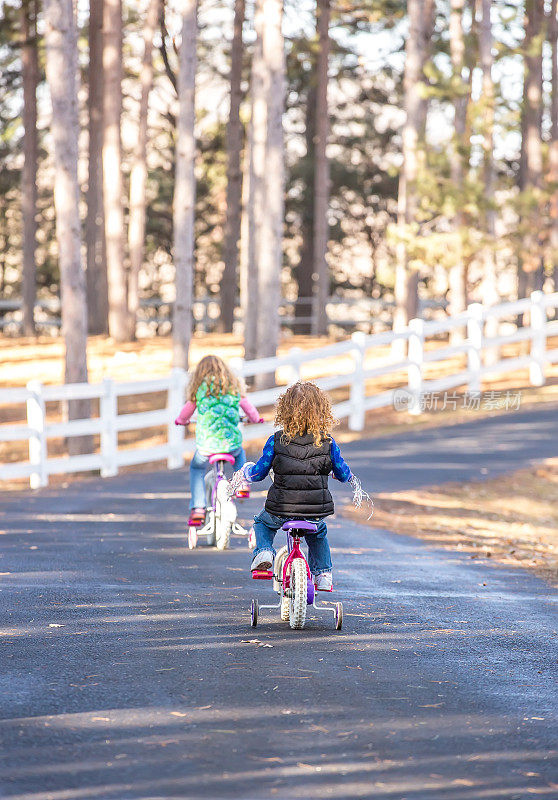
[(512, 518)]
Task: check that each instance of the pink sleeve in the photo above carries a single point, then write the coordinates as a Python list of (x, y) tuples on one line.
[(186, 414), (252, 413)]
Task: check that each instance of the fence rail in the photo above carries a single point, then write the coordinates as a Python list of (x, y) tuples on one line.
[(482, 355), (155, 313)]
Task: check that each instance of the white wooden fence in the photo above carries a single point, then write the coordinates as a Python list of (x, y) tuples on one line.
[(481, 357)]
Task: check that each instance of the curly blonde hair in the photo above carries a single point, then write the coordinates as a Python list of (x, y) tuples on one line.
[(304, 408), (217, 376)]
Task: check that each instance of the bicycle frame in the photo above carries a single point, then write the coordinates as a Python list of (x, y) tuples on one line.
[(219, 473), (293, 544)]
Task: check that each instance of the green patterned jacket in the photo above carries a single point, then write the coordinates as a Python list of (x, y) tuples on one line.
[(217, 428)]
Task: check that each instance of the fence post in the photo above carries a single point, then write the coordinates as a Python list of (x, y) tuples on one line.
[(416, 359), (108, 411), (357, 392), (37, 438), (537, 316), (296, 353), (236, 364), (475, 340), (175, 433)]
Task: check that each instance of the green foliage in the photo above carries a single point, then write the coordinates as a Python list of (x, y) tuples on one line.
[(364, 146)]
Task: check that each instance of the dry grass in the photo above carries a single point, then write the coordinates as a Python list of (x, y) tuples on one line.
[(512, 519)]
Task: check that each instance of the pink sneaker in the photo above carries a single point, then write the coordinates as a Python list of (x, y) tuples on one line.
[(197, 517)]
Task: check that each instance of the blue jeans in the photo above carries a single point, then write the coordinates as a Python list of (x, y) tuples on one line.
[(198, 469), (266, 526)]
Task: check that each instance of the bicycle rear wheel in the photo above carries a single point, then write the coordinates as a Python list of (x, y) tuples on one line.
[(298, 590)]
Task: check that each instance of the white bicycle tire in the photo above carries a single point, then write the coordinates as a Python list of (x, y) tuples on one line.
[(298, 594), (223, 519), (210, 517), (278, 564)]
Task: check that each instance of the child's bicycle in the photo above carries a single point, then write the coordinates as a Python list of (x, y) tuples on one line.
[(293, 581), (220, 509)]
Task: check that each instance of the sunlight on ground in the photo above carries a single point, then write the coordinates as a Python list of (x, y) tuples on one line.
[(512, 518)]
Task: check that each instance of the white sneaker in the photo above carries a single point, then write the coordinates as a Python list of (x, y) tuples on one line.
[(324, 582), (262, 560)]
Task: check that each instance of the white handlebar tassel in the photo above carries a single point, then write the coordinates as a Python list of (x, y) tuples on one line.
[(361, 496)]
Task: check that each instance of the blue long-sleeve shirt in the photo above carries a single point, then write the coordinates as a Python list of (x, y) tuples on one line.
[(261, 468)]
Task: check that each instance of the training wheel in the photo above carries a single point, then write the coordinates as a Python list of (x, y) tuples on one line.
[(338, 616), (254, 613), (192, 538)]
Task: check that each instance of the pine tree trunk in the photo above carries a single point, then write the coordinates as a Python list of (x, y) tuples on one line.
[(553, 155), (185, 186), (62, 74), (457, 274), (271, 243), (30, 77), (234, 177), (256, 195), (406, 281), (532, 249), (119, 321), (305, 266), (97, 288), (248, 264), (489, 286), (522, 275), (321, 173), (428, 18), (138, 172)]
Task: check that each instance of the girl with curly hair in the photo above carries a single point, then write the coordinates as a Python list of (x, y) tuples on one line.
[(218, 396), (302, 454)]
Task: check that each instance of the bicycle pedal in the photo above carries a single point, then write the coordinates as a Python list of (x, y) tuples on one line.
[(262, 574)]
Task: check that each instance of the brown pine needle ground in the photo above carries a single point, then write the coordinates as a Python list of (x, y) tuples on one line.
[(512, 519)]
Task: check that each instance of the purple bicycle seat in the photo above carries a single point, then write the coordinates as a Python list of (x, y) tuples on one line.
[(299, 524)]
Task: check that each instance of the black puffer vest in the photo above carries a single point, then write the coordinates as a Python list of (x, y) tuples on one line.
[(300, 489)]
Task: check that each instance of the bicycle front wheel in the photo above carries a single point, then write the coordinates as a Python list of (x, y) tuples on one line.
[(298, 590), (224, 513), (209, 512), (280, 559)]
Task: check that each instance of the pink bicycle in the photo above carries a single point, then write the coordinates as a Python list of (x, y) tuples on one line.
[(293, 581)]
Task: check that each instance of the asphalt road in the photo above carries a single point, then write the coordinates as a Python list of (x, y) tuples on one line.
[(473, 450), (128, 668)]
